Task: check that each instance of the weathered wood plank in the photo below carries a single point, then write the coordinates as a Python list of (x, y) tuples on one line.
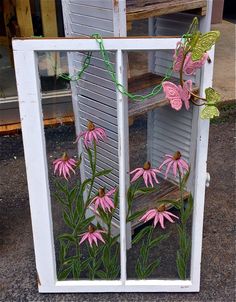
[(49, 18), (145, 9), (143, 85), (24, 18), (167, 190), (53, 122)]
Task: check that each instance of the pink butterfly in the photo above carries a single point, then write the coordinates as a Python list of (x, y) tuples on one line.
[(178, 94), (190, 66)]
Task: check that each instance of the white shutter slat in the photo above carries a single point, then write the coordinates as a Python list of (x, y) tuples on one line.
[(92, 11), (91, 21), (94, 3), (96, 88)]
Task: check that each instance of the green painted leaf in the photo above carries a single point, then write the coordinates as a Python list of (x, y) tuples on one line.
[(157, 240), (116, 198), (65, 273), (61, 187), (85, 264), (151, 267), (60, 199), (185, 178), (84, 224), (181, 266), (145, 190), (84, 184), (175, 203), (103, 172), (141, 234), (102, 275), (67, 220), (138, 270), (136, 215), (188, 209), (67, 236)]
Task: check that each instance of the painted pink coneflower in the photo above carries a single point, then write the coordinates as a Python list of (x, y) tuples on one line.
[(147, 173), (92, 134), (92, 236), (64, 165), (159, 215), (176, 162), (103, 200)]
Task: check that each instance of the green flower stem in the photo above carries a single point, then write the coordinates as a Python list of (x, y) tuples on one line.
[(93, 168), (184, 240), (93, 252)]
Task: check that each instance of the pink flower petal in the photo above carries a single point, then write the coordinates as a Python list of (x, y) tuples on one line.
[(167, 217), (165, 162), (154, 176), (109, 201), (171, 214), (156, 219), (147, 213), (94, 238), (90, 137), (79, 136), (168, 167), (151, 215), (180, 167), (135, 170), (184, 164), (109, 193), (86, 139), (161, 219), (94, 135), (90, 240), (137, 175), (175, 168), (99, 236), (168, 155), (60, 168), (145, 177), (85, 236), (150, 177)]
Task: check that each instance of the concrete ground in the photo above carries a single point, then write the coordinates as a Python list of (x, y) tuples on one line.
[(224, 68), (17, 264)]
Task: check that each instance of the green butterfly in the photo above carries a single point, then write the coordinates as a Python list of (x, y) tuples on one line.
[(199, 43), (210, 110)]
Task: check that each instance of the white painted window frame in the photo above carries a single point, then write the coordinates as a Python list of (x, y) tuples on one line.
[(28, 86)]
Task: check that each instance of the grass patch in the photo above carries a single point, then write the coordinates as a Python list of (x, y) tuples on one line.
[(227, 109)]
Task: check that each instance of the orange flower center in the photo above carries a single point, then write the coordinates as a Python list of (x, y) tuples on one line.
[(90, 126), (91, 229), (101, 192), (177, 155), (161, 208), (65, 157), (147, 165)]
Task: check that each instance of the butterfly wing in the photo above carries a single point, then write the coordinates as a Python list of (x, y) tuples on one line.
[(178, 57), (212, 96), (191, 66), (185, 93), (172, 94), (203, 44), (209, 112)]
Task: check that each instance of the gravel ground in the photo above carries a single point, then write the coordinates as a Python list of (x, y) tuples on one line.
[(17, 264)]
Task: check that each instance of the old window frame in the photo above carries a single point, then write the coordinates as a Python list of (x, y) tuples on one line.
[(30, 103)]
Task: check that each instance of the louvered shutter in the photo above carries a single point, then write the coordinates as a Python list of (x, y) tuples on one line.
[(168, 130), (94, 96)]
